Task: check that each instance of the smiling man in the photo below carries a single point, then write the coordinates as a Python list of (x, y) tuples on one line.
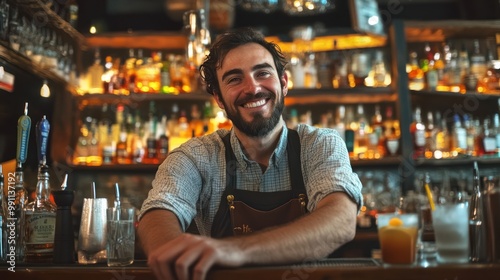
[(260, 193)]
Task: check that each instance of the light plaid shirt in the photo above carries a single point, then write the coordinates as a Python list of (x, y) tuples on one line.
[(192, 178)]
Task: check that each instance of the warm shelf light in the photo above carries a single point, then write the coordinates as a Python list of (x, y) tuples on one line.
[(45, 90)]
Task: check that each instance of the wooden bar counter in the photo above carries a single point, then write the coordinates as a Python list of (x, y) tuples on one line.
[(338, 269)]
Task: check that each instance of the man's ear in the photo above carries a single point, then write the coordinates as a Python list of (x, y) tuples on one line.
[(284, 83), (217, 99)]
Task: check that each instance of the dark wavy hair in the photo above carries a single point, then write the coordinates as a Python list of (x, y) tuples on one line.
[(228, 41)]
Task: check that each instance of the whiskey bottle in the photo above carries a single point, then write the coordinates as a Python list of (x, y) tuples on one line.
[(40, 222), (40, 214)]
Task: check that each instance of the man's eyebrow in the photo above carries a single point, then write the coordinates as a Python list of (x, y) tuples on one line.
[(231, 72), (239, 71), (261, 66)]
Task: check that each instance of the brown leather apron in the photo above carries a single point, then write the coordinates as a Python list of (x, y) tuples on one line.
[(242, 211)]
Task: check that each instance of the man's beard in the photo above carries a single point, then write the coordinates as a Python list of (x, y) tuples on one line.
[(260, 126)]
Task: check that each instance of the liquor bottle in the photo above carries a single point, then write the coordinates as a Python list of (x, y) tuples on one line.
[(430, 136), (415, 74), (488, 143), (340, 69), (162, 139), (472, 134), (21, 196), (463, 61), (40, 214), (432, 76), (310, 72), (40, 222), (196, 123), (108, 148), (172, 125), (361, 133), (379, 71), (130, 63), (138, 145), (439, 65), (3, 218), (95, 72), (452, 73), (324, 70), (459, 137), (176, 73), (417, 130), (376, 147), (477, 61), (491, 79), (442, 138), (151, 140), (183, 126), (391, 132), (360, 67), (122, 149), (340, 124), (94, 157), (350, 131), (165, 80), (110, 71), (81, 150)]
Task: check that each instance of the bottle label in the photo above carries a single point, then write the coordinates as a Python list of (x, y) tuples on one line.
[(461, 135), (490, 144), (40, 228), (420, 138), (432, 79)]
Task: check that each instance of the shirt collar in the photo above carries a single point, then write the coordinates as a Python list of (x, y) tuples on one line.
[(276, 157)]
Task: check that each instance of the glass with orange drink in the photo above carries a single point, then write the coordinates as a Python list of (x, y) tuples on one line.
[(397, 234)]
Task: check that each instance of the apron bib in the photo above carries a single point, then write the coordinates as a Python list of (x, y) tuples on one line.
[(242, 211)]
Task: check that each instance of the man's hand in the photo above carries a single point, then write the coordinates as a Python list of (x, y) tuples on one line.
[(191, 257)]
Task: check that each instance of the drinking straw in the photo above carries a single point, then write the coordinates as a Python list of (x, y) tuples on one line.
[(429, 196)]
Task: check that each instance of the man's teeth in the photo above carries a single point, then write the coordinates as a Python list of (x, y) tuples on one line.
[(254, 104)]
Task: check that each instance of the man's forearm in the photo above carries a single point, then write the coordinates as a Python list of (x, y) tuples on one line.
[(157, 227), (314, 236)]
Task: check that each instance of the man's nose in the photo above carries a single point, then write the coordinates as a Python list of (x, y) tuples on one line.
[(252, 86)]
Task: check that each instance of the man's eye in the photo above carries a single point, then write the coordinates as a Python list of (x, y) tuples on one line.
[(232, 80), (263, 74)]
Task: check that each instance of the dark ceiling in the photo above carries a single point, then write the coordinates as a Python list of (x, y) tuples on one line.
[(151, 15)]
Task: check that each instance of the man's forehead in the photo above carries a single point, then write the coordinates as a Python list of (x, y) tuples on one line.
[(248, 55)]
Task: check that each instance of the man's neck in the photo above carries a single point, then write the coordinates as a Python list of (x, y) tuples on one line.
[(260, 149)]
